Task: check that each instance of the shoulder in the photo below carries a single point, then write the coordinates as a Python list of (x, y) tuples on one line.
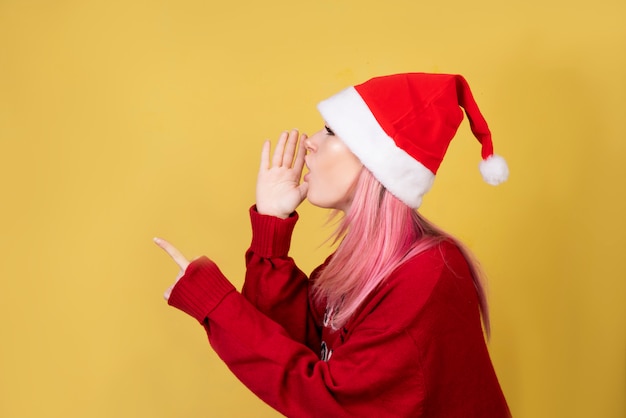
[(428, 267), (431, 281)]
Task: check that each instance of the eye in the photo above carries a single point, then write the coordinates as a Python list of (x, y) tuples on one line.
[(329, 131)]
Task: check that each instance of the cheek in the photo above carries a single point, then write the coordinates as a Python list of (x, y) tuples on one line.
[(343, 175), (334, 179), (346, 166)]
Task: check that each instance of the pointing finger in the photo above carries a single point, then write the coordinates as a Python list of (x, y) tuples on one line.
[(173, 252)]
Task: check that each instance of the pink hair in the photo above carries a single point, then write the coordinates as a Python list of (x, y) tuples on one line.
[(384, 233)]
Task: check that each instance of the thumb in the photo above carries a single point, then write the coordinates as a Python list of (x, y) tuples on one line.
[(303, 188), (168, 293)]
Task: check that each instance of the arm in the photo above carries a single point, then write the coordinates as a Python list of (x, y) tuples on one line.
[(274, 284), (373, 374)]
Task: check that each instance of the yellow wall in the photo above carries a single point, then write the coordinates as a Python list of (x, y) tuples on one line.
[(121, 120)]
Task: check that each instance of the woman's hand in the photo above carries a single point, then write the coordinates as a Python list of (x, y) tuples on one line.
[(278, 190), (178, 258)]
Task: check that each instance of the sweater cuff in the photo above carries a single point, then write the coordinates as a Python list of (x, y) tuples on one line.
[(271, 236), (200, 289)]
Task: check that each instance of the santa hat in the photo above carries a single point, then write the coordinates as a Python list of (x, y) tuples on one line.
[(400, 127)]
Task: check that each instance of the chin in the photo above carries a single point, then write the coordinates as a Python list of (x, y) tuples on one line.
[(324, 204), (316, 202)]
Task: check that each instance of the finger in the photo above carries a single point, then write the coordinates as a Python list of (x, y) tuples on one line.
[(290, 148), (265, 156), (298, 164), (173, 252), (277, 159), (303, 188)]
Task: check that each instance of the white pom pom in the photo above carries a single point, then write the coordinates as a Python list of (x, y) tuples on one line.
[(494, 170)]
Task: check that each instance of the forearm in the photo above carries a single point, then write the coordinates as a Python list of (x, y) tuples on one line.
[(274, 284)]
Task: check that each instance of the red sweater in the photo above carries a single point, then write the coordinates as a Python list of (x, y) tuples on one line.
[(415, 348)]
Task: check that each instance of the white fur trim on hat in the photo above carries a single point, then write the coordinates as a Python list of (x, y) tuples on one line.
[(349, 117)]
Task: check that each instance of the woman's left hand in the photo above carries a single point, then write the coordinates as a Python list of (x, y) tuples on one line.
[(178, 258)]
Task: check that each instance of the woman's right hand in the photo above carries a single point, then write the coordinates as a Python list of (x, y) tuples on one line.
[(279, 190)]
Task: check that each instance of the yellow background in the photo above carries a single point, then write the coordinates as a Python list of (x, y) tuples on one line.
[(121, 120)]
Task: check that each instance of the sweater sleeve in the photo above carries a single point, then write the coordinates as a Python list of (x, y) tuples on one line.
[(273, 283), (289, 376)]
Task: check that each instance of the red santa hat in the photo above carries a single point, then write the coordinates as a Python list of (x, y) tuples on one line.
[(400, 127)]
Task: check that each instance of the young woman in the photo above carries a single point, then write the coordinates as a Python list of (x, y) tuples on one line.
[(390, 324)]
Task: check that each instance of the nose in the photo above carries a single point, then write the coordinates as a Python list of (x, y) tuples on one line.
[(308, 143), (311, 142)]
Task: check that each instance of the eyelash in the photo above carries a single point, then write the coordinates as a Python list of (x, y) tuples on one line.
[(329, 131)]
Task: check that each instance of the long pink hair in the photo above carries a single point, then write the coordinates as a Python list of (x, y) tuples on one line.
[(379, 233)]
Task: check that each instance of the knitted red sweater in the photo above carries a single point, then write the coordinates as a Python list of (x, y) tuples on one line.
[(414, 349)]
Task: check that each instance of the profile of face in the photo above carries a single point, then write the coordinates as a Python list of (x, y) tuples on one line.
[(333, 171)]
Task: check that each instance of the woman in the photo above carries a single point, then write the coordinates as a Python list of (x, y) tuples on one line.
[(390, 324)]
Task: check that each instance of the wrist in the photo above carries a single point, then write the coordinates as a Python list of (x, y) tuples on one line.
[(271, 212), (271, 236)]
